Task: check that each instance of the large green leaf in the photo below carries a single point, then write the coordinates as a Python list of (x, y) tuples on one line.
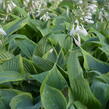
[(56, 56), (27, 47), (80, 86), (10, 24), (21, 101), (105, 49), (16, 25), (14, 64), (5, 56), (39, 77), (99, 35), (5, 97), (59, 24), (57, 38), (10, 76), (100, 90), (42, 47), (42, 64), (28, 66), (74, 104), (79, 105), (52, 98), (103, 77), (39, 26), (54, 79), (91, 63)]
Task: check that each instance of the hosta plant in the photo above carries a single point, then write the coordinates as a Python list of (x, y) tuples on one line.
[(54, 54)]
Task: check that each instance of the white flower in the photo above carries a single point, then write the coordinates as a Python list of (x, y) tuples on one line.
[(77, 41), (10, 6), (78, 30), (26, 2), (2, 32), (90, 21), (82, 31), (36, 4), (13, 5), (38, 13), (91, 6), (88, 17), (89, 14), (45, 17), (51, 50), (72, 32), (80, 1), (91, 9)]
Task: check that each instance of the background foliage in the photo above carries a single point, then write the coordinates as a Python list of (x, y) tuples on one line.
[(41, 64)]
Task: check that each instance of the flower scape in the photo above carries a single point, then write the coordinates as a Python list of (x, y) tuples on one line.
[(54, 54)]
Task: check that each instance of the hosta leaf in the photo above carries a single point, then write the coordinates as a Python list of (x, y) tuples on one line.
[(105, 49), (99, 35), (57, 38), (91, 63), (74, 104), (79, 105), (16, 36), (52, 98), (59, 24), (54, 79), (28, 66), (36, 106), (67, 3), (104, 77), (53, 56), (79, 85), (100, 90), (21, 101), (9, 76), (27, 47), (40, 26), (39, 77), (42, 47), (23, 43), (11, 41), (72, 107), (67, 43), (20, 11), (2, 105), (10, 24), (4, 56), (42, 64), (14, 64), (6, 95), (70, 104), (16, 25)]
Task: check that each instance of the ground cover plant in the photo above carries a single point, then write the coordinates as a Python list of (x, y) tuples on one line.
[(54, 54)]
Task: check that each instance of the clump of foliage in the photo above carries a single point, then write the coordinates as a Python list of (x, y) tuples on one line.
[(54, 55)]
